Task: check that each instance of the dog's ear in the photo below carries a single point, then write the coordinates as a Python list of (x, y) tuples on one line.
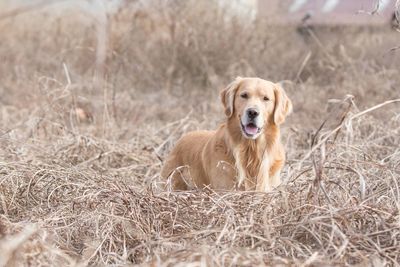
[(283, 105), (228, 96)]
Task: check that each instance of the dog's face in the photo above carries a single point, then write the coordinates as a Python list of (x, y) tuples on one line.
[(255, 104)]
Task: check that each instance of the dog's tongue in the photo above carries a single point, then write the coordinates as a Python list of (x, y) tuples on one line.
[(251, 129)]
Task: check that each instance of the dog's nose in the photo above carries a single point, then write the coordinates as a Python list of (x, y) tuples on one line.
[(252, 113)]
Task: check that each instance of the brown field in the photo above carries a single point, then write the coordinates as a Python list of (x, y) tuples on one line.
[(90, 105)]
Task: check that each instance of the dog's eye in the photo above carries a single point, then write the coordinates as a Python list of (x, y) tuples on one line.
[(266, 98), (244, 95)]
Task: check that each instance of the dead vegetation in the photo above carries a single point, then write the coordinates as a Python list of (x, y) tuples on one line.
[(82, 140)]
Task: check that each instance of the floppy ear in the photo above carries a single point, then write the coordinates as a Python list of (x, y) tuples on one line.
[(228, 96), (283, 105)]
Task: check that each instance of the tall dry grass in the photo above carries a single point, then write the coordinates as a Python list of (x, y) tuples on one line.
[(89, 109)]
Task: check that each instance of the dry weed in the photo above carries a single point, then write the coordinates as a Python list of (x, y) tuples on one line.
[(83, 139)]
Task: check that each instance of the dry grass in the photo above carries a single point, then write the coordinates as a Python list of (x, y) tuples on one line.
[(85, 122)]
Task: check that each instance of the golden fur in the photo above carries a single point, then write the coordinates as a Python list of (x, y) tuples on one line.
[(225, 158)]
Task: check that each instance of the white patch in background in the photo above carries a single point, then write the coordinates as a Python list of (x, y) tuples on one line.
[(246, 9), (297, 4), (383, 4), (58, 7), (329, 6)]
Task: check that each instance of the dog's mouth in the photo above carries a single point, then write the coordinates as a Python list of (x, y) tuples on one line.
[(250, 129)]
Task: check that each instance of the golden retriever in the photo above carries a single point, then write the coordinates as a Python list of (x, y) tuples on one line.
[(245, 152)]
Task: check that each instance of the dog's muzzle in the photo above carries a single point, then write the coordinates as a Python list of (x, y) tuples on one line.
[(250, 123)]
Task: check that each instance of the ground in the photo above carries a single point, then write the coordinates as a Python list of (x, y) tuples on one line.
[(91, 105)]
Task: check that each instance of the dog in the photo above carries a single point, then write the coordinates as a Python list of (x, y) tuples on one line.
[(245, 152)]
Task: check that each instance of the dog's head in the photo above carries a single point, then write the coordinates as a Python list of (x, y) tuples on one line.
[(255, 104)]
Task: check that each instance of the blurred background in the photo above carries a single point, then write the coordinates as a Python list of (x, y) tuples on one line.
[(93, 95), (135, 62)]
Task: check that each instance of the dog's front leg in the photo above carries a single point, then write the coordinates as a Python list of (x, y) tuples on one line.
[(242, 178), (275, 173), (263, 178), (264, 183)]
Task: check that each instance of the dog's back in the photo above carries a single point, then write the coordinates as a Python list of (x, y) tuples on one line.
[(184, 164)]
